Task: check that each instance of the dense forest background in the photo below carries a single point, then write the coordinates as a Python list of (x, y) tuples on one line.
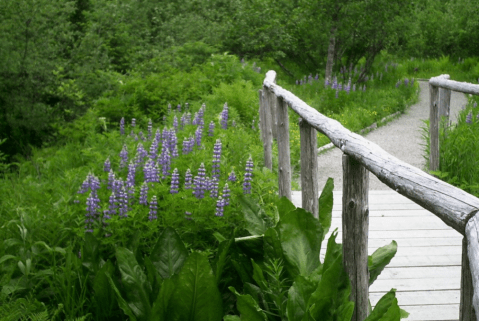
[(59, 59)]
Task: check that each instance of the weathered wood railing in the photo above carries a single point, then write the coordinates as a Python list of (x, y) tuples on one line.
[(452, 205)]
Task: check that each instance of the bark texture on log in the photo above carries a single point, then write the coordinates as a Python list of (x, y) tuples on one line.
[(443, 82), (284, 159), (309, 168), (466, 309), (472, 236), (449, 203), (355, 220), (266, 124)]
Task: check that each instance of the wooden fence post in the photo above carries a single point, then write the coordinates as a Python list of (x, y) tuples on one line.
[(265, 125), (273, 110), (466, 309), (472, 237), (433, 128), (284, 159), (355, 233), (309, 167)]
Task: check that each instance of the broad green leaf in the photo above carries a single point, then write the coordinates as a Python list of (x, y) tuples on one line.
[(104, 295), (221, 258), (251, 246), (231, 318), (90, 253), (326, 206), (135, 284), (7, 257), (272, 245), (379, 259), (255, 224), (258, 276), (334, 287), (160, 306), (386, 309), (169, 253), (196, 296), (124, 306), (257, 294), (300, 235), (153, 276), (248, 307), (298, 297), (284, 206)]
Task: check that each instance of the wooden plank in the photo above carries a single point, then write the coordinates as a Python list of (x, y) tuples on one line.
[(449, 203), (464, 87), (394, 213), (416, 242), (420, 298), (309, 168), (444, 312), (422, 272), (472, 235), (416, 284), (409, 234), (355, 224), (284, 159)]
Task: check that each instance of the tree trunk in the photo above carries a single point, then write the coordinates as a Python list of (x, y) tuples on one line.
[(330, 61)]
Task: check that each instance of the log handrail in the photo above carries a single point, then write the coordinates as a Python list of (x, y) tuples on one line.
[(452, 205)]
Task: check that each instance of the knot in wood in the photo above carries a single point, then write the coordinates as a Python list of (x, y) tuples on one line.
[(351, 204)]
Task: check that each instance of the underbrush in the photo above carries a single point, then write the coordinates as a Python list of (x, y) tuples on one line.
[(459, 150)]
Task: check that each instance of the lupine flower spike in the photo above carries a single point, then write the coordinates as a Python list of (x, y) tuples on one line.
[(124, 157), (219, 207), (232, 177), (153, 215), (248, 176), (224, 117), (107, 165), (226, 195), (144, 194), (175, 182), (216, 159), (122, 126), (188, 179)]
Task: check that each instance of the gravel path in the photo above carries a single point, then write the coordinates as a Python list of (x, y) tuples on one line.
[(401, 138)]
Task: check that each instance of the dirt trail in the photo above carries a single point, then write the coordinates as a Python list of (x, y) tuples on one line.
[(401, 138)]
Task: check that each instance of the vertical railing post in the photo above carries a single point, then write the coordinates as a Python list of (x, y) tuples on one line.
[(272, 109), (309, 167), (466, 309), (433, 128), (355, 233), (284, 159), (266, 124)]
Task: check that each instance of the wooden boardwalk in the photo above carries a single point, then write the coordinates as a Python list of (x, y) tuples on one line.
[(426, 270)]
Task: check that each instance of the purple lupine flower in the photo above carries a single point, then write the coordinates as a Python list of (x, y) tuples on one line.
[(178, 108), (186, 146), (158, 135), (182, 121), (165, 138), (92, 212), (147, 168), (214, 182), (112, 206), (144, 194), (406, 82), (133, 122), (175, 182), (153, 149), (200, 182), (216, 159), (173, 141), (188, 215), (175, 152), (195, 119), (326, 82), (316, 77), (169, 108), (141, 136), (124, 157), (226, 194), (220, 207), (248, 176), (397, 84), (150, 129), (165, 161), (335, 83), (198, 135), (208, 184), (141, 153), (188, 179), (340, 86), (111, 179), (122, 203), (152, 215), (469, 118), (122, 126), (232, 177), (224, 117), (155, 173), (211, 129), (175, 124), (130, 180), (107, 165)]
